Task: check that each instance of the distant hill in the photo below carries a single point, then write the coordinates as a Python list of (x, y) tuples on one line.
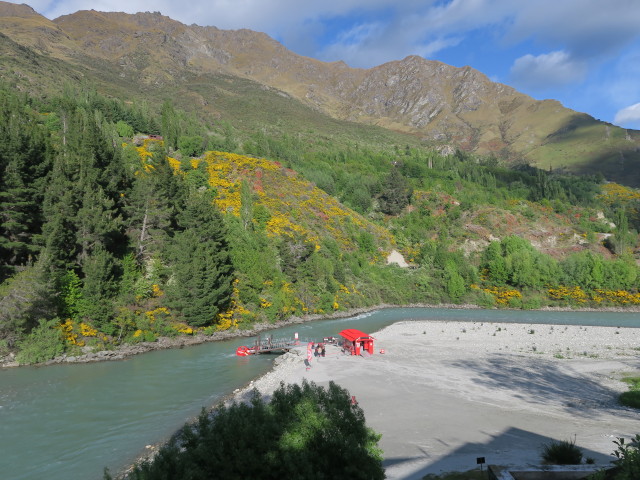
[(153, 55)]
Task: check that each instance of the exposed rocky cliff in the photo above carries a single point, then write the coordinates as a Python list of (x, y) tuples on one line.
[(438, 103)]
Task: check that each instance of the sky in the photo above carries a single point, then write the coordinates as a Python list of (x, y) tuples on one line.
[(583, 53)]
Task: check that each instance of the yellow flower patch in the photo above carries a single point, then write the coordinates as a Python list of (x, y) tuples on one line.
[(502, 295)]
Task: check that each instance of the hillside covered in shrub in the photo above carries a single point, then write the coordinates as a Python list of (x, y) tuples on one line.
[(123, 222)]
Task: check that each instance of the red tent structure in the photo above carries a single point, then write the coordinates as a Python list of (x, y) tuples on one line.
[(356, 341)]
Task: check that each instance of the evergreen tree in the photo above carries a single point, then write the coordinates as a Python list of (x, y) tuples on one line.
[(98, 289), (24, 164), (59, 232), (202, 280), (152, 207), (396, 192), (82, 201), (295, 251), (24, 298), (98, 223), (170, 126)]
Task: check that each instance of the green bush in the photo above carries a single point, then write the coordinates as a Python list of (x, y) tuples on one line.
[(43, 343), (564, 452), (628, 459), (124, 129), (533, 302), (630, 399), (4, 347), (191, 146), (305, 431)]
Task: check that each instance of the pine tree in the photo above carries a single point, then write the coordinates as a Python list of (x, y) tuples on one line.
[(152, 206), (203, 273), (24, 164), (59, 231), (396, 193), (82, 202), (24, 298), (97, 221), (170, 126), (98, 289)]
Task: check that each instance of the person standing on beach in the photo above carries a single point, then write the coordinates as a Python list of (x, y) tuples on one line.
[(307, 361)]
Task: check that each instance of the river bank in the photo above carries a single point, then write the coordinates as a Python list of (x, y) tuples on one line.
[(129, 350), (80, 418), (445, 393)]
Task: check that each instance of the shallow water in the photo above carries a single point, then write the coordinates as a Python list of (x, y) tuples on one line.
[(70, 421)]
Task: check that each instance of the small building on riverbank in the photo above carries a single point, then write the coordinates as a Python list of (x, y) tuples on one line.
[(356, 342)]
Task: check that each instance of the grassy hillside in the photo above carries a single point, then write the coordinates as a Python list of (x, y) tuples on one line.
[(584, 146)]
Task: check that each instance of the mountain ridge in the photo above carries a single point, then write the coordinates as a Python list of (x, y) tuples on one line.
[(438, 103)]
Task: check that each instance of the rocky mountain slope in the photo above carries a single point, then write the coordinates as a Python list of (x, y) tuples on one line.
[(437, 103)]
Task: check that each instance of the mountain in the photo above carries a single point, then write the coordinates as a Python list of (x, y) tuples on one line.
[(151, 54)]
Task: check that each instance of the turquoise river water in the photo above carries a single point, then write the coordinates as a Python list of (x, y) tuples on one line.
[(71, 421)]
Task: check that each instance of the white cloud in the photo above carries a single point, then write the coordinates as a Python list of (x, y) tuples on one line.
[(621, 82), (545, 71), (628, 116), (586, 28), (373, 44)]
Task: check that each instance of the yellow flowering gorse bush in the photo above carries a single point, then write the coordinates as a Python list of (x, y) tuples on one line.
[(501, 295), (300, 200)]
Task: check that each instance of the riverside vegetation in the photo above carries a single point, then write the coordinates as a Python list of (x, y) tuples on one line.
[(303, 431), (126, 222)]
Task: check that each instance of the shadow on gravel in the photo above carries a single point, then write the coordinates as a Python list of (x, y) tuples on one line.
[(508, 440), (541, 381)]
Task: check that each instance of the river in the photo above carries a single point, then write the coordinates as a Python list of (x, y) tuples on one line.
[(70, 421)]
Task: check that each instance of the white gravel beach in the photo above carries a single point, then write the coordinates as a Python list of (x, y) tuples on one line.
[(445, 393)]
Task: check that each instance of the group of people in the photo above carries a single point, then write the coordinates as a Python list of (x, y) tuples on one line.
[(318, 351)]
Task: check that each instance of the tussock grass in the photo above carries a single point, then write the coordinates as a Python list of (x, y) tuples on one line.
[(564, 452), (632, 397)]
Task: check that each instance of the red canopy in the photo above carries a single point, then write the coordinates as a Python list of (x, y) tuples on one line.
[(352, 334)]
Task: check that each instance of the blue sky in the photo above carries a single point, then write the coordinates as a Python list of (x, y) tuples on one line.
[(584, 53)]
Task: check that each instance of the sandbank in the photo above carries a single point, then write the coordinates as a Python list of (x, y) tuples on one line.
[(445, 393)]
